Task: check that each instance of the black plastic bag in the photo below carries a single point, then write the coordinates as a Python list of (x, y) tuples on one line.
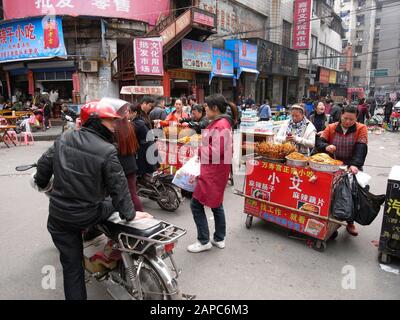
[(343, 200), (366, 204)]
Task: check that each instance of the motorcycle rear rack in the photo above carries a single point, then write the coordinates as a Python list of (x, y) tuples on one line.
[(139, 245)]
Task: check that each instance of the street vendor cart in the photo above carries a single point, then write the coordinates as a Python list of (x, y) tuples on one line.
[(296, 198)]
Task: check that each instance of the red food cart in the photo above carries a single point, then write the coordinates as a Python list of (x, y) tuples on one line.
[(174, 154), (296, 198)]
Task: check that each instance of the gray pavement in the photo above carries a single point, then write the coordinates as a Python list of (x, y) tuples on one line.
[(257, 263)]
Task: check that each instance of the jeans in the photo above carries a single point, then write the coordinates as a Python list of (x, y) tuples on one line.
[(200, 218)]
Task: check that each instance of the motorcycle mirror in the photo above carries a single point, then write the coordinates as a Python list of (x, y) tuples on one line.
[(26, 167)]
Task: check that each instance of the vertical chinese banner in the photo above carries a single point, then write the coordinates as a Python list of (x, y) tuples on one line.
[(301, 27), (148, 55), (31, 83)]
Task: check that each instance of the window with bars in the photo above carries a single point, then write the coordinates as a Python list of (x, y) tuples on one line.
[(286, 34), (358, 49), (357, 64)]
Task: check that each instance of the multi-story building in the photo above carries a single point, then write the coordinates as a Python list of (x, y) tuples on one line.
[(385, 76), (321, 64), (362, 29)]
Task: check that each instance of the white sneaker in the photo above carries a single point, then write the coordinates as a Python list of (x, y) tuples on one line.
[(198, 247), (218, 244)]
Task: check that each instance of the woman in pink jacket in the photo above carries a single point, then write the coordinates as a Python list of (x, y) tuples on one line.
[(216, 158)]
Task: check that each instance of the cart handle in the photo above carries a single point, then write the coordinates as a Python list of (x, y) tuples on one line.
[(239, 193)]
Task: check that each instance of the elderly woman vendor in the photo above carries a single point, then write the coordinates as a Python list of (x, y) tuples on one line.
[(298, 130)]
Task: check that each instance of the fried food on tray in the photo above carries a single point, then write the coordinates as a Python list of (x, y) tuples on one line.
[(297, 156), (324, 158), (194, 138), (275, 151)]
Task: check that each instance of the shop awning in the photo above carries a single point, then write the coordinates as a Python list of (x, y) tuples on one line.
[(249, 70), (223, 75)]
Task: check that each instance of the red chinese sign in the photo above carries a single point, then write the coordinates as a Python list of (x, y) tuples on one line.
[(301, 29), (324, 76), (175, 154), (147, 90), (148, 56), (203, 19), (147, 11), (292, 188)]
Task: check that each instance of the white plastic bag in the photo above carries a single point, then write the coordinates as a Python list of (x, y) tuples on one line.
[(363, 178), (186, 177)]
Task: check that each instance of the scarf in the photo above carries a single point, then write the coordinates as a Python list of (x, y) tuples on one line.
[(299, 127)]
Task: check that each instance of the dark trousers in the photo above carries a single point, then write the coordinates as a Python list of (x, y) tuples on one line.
[(68, 240), (200, 218), (132, 189)]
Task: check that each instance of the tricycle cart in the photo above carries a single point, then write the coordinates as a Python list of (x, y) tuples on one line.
[(297, 198)]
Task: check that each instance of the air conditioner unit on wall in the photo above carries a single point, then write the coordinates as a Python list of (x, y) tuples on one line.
[(88, 66)]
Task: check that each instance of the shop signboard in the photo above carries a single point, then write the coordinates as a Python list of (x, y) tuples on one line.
[(143, 90), (196, 55), (204, 19), (332, 77), (245, 53), (147, 11), (148, 53), (378, 73), (323, 76), (390, 232), (294, 188), (276, 59), (31, 39), (302, 23), (222, 63)]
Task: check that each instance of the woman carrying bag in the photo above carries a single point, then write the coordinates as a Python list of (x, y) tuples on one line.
[(215, 166)]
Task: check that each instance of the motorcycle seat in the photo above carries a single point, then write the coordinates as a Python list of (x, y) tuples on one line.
[(141, 228)]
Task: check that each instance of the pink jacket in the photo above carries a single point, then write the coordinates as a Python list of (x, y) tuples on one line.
[(216, 157)]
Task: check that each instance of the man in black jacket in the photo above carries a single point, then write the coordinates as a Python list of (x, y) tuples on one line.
[(86, 170)]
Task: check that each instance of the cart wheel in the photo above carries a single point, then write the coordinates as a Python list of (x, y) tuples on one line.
[(334, 235), (249, 221), (319, 245), (384, 258)]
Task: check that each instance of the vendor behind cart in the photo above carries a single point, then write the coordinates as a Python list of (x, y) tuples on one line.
[(298, 130), (198, 121), (346, 141)]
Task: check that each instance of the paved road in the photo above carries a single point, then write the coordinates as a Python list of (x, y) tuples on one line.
[(260, 263)]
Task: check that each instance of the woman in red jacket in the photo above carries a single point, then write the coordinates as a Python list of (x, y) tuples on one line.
[(174, 116), (216, 157)]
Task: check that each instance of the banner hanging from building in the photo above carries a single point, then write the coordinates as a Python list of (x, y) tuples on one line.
[(147, 11), (148, 56), (301, 28), (222, 63), (246, 56), (196, 55), (30, 39)]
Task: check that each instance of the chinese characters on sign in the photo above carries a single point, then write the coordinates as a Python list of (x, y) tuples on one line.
[(292, 188), (301, 28), (32, 39), (148, 11), (144, 90), (196, 55), (148, 56), (222, 62)]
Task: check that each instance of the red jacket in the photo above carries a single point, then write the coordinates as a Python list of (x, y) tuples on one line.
[(216, 156)]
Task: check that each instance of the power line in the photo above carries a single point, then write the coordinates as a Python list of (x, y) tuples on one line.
[(373, 8)]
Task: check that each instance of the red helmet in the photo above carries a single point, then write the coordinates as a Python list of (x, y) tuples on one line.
[(99, 110)]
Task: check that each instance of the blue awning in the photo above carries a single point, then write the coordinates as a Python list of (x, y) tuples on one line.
[(249, 70), (223, 75)]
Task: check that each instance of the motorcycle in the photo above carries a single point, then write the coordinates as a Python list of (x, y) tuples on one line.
[(158, 187), (130, 257)]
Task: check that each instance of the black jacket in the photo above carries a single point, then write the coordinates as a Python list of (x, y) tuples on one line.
[(197, 125), (86, 170), (146, 141)]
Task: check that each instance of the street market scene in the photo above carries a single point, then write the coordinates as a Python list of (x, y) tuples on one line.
[(200, 150)]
